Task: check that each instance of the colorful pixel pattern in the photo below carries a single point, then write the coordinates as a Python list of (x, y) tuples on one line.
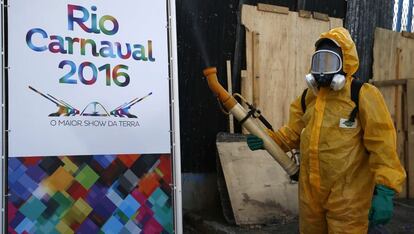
[(90, 194)]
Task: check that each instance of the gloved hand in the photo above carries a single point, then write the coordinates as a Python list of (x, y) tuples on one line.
[(254, 142), (381, 206)]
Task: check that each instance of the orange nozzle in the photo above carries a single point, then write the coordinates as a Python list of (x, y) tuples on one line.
[(228, 101), (209, 71)]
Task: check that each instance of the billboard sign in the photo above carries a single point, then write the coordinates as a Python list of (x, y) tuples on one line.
[(88, 78), (92, 121)]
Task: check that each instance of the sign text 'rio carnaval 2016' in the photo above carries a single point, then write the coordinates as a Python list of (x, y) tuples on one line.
[(93, 77), (60, 44)]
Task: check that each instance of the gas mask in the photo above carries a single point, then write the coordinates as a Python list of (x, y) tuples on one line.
[(326, 67)]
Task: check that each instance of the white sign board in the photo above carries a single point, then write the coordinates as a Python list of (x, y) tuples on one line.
[(88, 78)]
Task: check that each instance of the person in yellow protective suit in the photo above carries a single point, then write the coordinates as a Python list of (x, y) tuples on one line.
[(342, 161)]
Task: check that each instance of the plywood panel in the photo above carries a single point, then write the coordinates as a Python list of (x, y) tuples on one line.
[(406, 70), (410, 140), (393, 56), (284, 49), (385, 63), (407, 56), (259, 189), (386, 67)]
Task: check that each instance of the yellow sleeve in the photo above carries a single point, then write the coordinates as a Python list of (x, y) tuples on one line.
[(380, 139), (288, 136)]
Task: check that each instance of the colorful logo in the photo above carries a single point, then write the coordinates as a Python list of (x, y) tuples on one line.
[(92, 109)]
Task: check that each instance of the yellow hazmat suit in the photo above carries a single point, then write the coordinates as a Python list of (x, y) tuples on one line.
[(339, 167)]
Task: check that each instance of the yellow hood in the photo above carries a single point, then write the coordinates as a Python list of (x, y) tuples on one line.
[(350, 55)]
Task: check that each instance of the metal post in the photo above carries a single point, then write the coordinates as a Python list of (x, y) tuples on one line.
[(3, 189), (175, 117)]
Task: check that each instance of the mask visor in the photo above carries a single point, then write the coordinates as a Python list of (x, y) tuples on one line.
[(326, 62)]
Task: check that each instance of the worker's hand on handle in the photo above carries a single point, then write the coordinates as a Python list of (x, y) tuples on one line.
[(381, 206), (254, 142)]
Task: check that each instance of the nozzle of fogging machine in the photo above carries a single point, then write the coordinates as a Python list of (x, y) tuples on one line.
[(210, 70), (228, 101)]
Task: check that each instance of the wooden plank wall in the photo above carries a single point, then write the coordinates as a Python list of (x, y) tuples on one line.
[(279, 47), (393, 56), (385, 67)]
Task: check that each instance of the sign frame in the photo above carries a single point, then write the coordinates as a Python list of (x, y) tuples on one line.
[(3, 167), (175, 116)]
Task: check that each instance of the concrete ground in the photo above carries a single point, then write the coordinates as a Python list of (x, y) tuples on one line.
[(213, 222)]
